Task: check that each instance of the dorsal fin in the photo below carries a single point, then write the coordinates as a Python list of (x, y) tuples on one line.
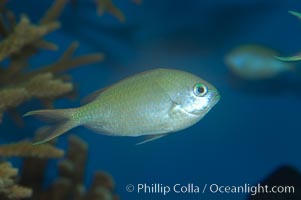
[(92, 96)]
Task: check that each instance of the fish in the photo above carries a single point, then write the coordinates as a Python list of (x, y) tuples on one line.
[(296, 14), (256, 62), (152, 103), (296, 57)]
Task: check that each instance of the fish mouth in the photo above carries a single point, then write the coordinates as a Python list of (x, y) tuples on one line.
[(216, 99), (213, 99)]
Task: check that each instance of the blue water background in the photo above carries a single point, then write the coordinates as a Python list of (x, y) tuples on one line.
[(254, 129)]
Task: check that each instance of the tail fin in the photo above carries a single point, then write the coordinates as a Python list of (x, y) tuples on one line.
[(61, 121)]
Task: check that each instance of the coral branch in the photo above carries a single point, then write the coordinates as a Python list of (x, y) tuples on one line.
[(66, 61), (26, 149), (12, 97), (25, 33), (102, 187), (18, 192), (73, 166), (53, 13), (104, 6), (108, 6), (45, 86), (46, 45), (8, 188), (68, 185), (22, 40)]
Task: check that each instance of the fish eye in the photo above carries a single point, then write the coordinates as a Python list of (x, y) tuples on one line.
[(200, 90)]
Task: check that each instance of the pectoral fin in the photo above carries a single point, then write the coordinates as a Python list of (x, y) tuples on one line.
[(151, 138)]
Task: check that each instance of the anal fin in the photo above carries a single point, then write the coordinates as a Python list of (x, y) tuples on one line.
[(151, 138)]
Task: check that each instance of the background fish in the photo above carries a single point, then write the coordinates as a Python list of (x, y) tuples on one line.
[(255, 62), (153, 103), (296, 57)]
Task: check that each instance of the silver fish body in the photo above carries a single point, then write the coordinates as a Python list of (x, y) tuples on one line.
[(154, 102)]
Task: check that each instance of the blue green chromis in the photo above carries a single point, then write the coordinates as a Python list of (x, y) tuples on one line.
[(153, 103), (256, 62)]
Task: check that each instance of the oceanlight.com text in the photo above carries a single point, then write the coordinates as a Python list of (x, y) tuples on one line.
[(192, 188), (251, 189)]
